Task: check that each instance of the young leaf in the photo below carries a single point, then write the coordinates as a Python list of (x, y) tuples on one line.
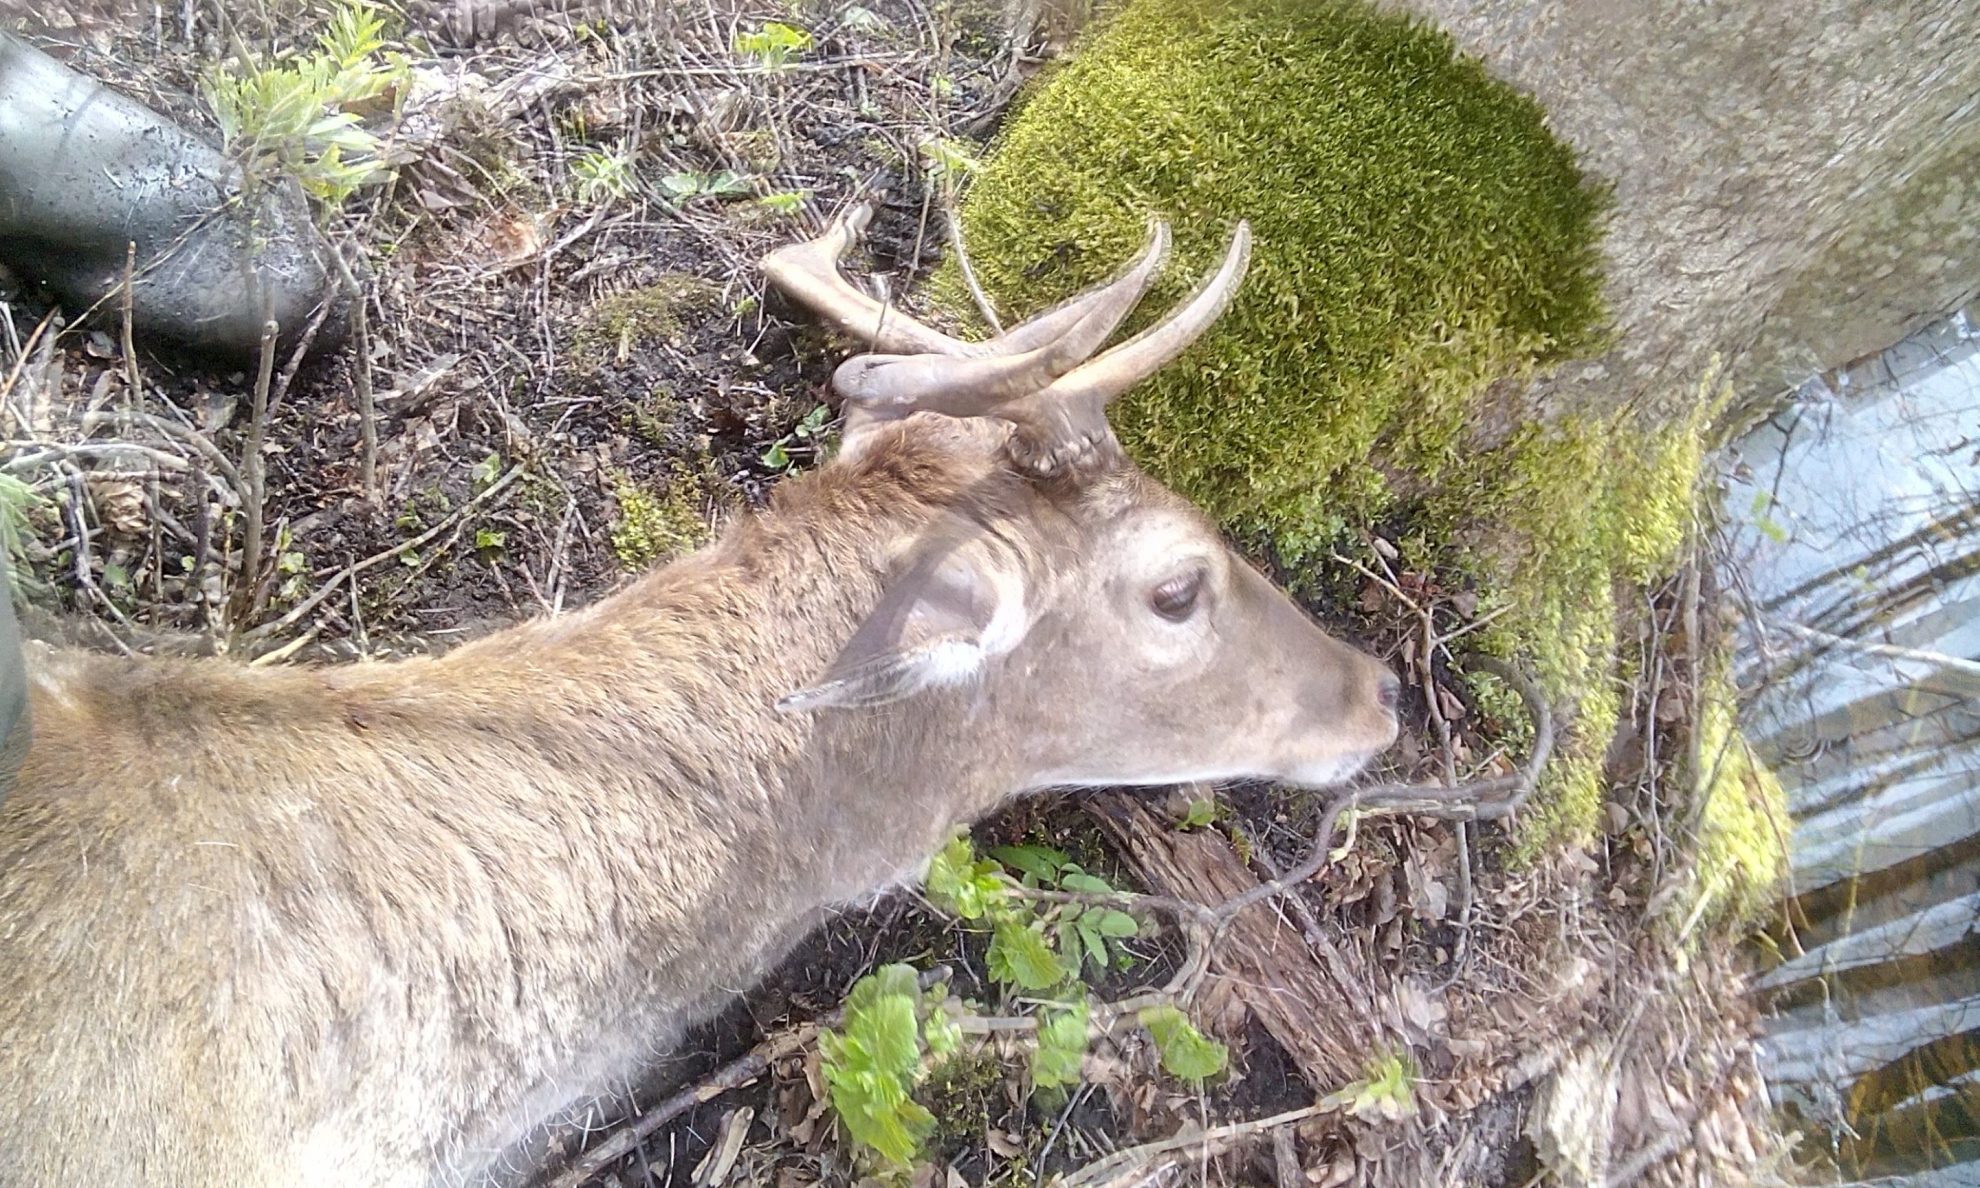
[(683, 185), (1387, 1092), (939, 1031), (871, 1063), (1091, 884), (1111, 923), (962, 885), (484, 472), (727, 181), (1043, 862), (1096, 944), (785, 202), (1019, 956), (1066, 936), (1061, 1044), (1201, 813), (1185, 1051)]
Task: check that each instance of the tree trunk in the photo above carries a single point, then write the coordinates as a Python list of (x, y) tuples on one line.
[(1796, 185)]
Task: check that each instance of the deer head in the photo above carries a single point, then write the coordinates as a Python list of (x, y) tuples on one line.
[(1092, 609)]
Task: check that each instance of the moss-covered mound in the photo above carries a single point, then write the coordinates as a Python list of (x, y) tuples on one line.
[(1419, 237), (1418, 233)]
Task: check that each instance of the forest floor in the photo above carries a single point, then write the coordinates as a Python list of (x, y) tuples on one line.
[(577, 373)]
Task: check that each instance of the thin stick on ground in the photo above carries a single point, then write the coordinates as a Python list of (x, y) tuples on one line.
[(132, 381), (254, 473), (976, 292), (1200, 1143)]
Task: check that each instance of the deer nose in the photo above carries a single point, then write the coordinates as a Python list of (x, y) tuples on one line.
[(1389, 692)]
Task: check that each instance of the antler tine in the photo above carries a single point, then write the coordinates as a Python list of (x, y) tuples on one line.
[(1041, 328), (1104, 378), (809, 273), (1065, 425), (895, 385)]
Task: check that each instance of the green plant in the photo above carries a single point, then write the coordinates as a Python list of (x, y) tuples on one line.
[(20, 506), (879, 1056), (1061, 1046), (1185, 1052), (602, 176), (1201, 813), (785, 202), (1084, 933), (482, 474), (687, 183), (1386, 1091), (772, 45), (874, 1059), (296, 115), (778, 455), (291, 566)]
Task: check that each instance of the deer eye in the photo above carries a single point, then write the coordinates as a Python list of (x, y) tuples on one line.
[(1175, 599)]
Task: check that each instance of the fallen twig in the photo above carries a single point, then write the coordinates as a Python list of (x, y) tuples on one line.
[(1202, 1143), (131, 378), (1478, 800), (976, 292), (254, 473)]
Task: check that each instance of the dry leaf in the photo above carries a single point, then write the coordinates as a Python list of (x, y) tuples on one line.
[(1002, 1145), (1419, 1010), (1450, 705), (119, 505), (1428, 898)]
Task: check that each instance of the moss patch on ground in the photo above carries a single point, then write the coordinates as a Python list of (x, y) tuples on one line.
[(620, 323), (654, 526), (1419, 237)]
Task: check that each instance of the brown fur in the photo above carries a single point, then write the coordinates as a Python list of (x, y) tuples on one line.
[(366, 925)]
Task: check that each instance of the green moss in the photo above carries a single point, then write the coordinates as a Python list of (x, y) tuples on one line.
[(1418, 234), (653, 418), (1743, 826), (1553, 526), (965, 1093), (619, 323), (654, 527)]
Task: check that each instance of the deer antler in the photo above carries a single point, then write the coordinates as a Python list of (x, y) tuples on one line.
[(1037, 375)]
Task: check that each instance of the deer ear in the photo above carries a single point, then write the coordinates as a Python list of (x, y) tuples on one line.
[(940, 621)]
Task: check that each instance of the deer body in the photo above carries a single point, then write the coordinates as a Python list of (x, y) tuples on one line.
[(369, 925)]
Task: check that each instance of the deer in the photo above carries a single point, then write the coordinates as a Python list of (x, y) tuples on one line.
[(369, 923)]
